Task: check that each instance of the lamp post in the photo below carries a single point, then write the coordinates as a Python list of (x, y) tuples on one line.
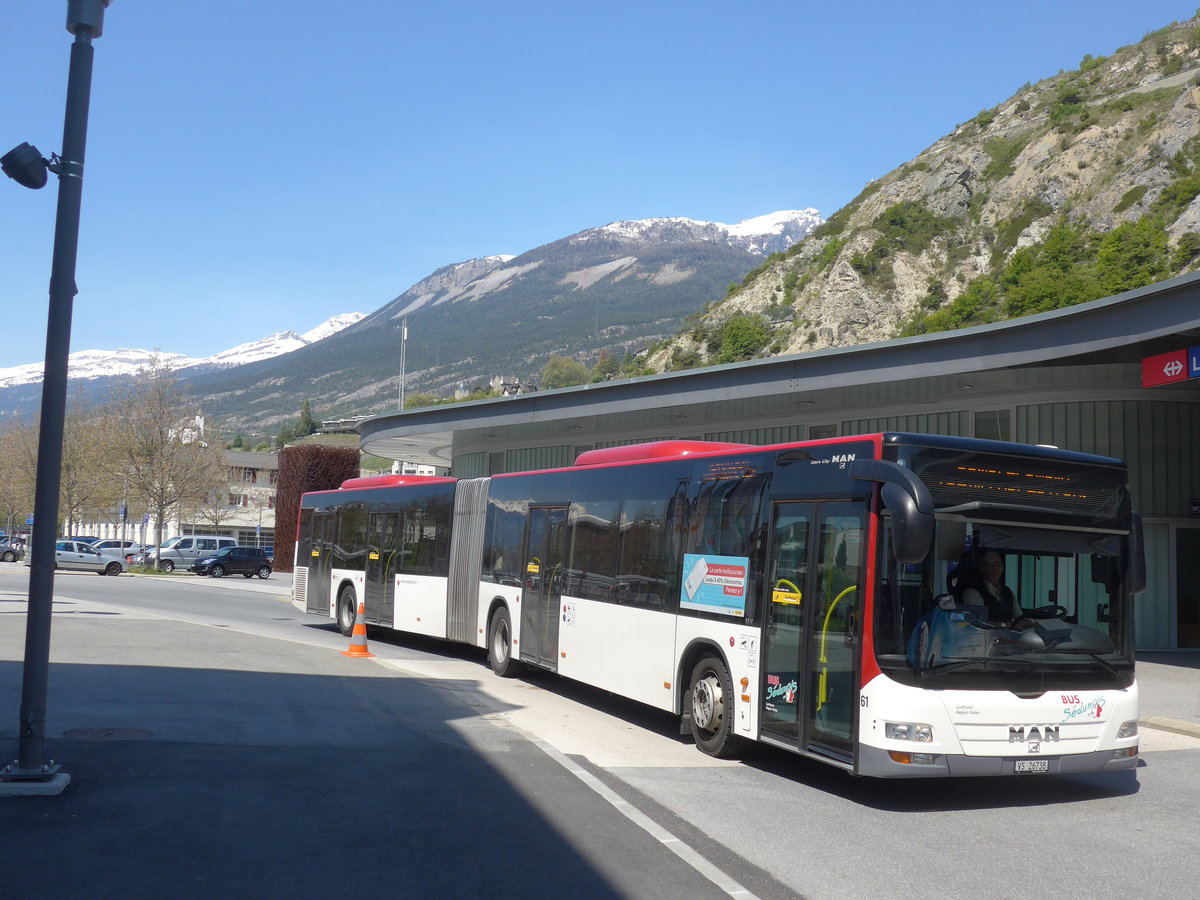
[(403, 345), (32, 772)]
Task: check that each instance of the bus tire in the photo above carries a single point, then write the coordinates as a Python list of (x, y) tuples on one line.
[(500, 656), (710, 706), (347, 610)]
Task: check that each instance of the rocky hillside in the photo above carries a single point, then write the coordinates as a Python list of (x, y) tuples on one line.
[(1077, 187)]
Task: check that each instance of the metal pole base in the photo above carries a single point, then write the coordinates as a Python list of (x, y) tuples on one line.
[(44, 781)]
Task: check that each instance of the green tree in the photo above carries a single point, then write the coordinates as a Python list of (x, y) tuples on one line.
[(1132, 255), (742, 338), (305, 426), (562, 371), (606, 366)]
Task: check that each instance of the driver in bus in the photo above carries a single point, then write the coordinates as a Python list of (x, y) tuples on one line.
[(992, 592)]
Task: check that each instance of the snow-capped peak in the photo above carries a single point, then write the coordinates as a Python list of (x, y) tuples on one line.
[(762, 235), (331, 326), (775, 223), (106, 363)]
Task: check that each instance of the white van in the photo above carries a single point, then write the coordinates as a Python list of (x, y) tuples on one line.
[(182, 550)]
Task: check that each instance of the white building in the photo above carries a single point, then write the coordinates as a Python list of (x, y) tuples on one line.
[(246, 513)]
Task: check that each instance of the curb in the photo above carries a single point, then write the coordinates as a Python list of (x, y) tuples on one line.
[(1191, 729)]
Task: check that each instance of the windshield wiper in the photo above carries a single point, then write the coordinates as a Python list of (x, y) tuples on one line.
[(961, 662), (1112, 670)]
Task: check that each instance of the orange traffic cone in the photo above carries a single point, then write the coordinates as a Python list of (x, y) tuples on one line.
[(358, 637)]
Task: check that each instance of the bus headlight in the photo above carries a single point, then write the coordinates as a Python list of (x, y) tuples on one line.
[(1128, 729), (908, 731)]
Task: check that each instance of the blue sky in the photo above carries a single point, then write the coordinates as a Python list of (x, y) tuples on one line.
[(258, 165)]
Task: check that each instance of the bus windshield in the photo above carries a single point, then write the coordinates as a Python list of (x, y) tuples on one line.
[(1008, 606)]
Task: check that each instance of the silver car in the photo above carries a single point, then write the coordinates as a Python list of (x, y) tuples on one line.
[(123, 549), (82, 556)]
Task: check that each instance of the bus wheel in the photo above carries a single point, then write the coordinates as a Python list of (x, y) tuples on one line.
[(500, 646), (347, 612), (711, 702)]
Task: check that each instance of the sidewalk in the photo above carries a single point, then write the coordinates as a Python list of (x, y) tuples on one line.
[(1169, 690)]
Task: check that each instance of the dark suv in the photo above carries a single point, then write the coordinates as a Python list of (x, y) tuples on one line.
[(244, 561)]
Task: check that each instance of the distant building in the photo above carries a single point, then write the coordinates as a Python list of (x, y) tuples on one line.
[(510, 387), (246, 512)]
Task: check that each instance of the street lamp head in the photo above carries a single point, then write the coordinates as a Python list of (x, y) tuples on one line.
[(25, 165), (87, 14)]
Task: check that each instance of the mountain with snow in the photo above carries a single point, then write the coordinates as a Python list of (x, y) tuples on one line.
[(615, 289), (761, 235), (92, 364)]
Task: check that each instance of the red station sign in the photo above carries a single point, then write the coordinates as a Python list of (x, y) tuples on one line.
[(1165, 368)]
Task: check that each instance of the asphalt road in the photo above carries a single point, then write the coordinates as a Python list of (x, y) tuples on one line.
[(219, 744)]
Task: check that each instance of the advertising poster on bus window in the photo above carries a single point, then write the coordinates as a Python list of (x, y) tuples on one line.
[(715, 583)]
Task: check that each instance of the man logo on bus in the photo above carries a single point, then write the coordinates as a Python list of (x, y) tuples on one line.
[(842, 460), (1018, 735)]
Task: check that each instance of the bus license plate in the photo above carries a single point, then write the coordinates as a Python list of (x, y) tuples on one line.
[(1033, 765)]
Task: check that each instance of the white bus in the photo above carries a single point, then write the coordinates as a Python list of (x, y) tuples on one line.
[(897, 605)]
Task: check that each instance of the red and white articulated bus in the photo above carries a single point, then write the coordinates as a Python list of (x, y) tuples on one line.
[(898, 605)]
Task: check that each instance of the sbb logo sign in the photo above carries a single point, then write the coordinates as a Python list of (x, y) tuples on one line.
[(1167, 368)]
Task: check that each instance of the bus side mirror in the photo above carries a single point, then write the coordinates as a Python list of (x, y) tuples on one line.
[(1137, 557), (909, 502)]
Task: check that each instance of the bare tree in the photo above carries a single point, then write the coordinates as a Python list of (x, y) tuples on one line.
[(18, 461), (89, 489), (160, 446), (215, 508)]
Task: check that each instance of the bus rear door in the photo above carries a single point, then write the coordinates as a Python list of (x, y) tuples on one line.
[(380, 582), (324, 528), (544, 574)]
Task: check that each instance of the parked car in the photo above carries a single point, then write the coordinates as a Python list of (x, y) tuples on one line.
[(182, 550), (10, 550), (118, 547), (83, 557), (244, 561)]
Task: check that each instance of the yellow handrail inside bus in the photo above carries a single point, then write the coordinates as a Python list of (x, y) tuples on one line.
[(823, 677)]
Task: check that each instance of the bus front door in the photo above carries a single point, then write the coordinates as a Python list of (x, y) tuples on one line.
[(810, 636), (783, 635), (545, 558)]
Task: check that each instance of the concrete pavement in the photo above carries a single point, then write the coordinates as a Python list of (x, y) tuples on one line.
[(206, 762)]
